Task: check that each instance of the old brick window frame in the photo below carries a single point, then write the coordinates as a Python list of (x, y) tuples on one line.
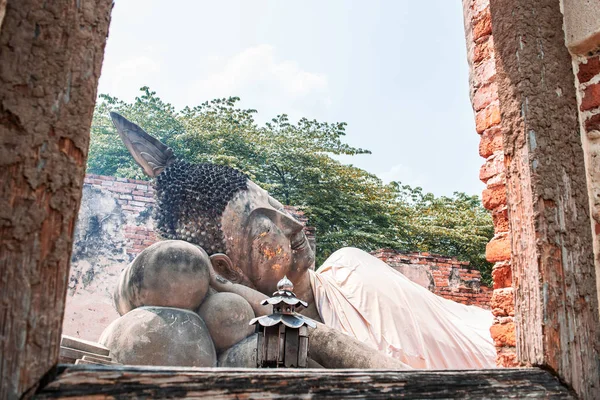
[(552, 261)]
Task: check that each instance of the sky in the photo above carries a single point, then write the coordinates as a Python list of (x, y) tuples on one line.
[(395, 71)]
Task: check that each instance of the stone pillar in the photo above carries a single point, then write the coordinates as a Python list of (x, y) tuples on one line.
[(484, 99), (51, 53), (582, 33), (556, 304)]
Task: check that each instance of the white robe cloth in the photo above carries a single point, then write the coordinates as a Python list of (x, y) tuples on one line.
[(364, 297)]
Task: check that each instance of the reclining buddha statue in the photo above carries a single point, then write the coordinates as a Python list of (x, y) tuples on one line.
[(253, 243)]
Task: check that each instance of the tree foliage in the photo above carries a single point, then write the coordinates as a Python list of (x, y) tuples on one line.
[(296, 163), (456, 226)]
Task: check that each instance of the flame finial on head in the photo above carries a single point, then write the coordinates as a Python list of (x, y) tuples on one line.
[(285, 284)]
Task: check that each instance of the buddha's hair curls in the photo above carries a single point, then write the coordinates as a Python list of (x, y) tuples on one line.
[(191, 199)]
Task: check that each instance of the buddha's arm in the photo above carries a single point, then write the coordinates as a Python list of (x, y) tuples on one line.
[(334, 349), (252, 296), (327, 347)]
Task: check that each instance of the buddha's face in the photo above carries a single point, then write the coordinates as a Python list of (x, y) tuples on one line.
[(263, 241)]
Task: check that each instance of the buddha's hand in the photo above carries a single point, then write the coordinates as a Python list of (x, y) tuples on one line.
[(216, 281)]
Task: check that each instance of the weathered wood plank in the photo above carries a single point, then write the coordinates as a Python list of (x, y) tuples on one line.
[(84, 345), (154, 382), (72, 353), (86, 362), (99, 360), (556, 304)]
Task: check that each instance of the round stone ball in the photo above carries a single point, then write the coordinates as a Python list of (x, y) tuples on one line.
[(170, 273), (227, 316), (160, 336)]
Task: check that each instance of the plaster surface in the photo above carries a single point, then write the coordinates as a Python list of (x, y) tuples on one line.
[(582, 25)]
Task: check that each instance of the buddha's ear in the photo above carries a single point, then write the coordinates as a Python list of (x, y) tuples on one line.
[(223, 266), (149, 153)]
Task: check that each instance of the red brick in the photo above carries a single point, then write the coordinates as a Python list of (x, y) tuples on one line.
[(484, 95), (494, 197), (500, 219), (120, 190), (589, 70), (144, 199), (483, 49), (593, 123), (121, 184), (498, 249), (503, 303), (507, 357), (502, 275), (503, 334), (488, 117), (484, 73), (496, 180), (482, 25), (480, 5), (494, 165), (134, 236), (137, 203), (591, 97)]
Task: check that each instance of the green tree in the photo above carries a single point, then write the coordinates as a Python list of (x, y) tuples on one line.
[(296, 163), (108, 155), (456, 226)]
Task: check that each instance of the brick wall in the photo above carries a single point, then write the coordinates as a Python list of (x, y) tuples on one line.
[(445, 276), (136, 199), (484, 99)]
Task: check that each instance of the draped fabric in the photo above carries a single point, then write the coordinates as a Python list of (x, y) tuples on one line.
[(363, 297)]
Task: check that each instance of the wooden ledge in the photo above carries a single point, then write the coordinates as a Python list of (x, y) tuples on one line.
[(221, 383)]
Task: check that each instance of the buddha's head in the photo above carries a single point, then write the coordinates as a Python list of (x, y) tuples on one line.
[(219, 209)]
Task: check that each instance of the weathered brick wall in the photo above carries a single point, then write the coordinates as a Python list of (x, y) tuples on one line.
[(136, 198), (587, 70), (445, 276), (484, 99), (114, 224)]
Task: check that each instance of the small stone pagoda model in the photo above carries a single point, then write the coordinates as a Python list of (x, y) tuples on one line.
[(283, 335)]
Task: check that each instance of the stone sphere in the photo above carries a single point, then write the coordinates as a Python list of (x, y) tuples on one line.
[(170, 273), (227, 316), (240, 355), (160, 336)]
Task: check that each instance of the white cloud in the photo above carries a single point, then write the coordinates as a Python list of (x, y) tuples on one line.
[(265, 83), (123, 79)]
